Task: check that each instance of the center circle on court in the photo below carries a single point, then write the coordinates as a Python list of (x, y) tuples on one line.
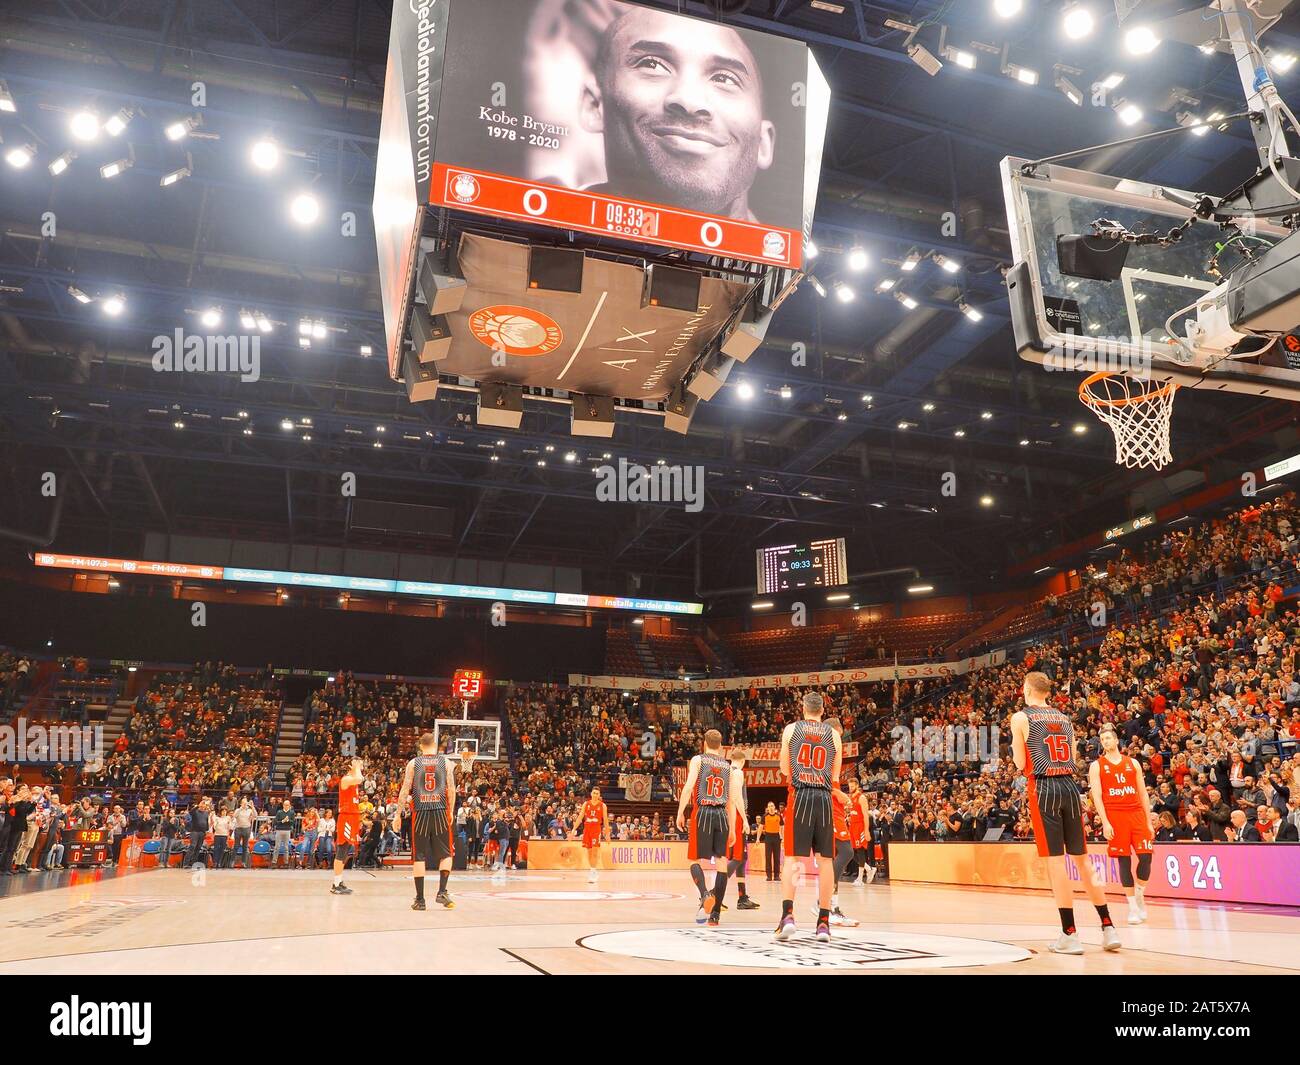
[(578, 896), (863, 950)]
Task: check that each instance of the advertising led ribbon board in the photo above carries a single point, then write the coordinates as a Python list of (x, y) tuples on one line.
[(431, 589), (608, 118)]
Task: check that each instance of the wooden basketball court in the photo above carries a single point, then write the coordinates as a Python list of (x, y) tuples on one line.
[(555, 922)]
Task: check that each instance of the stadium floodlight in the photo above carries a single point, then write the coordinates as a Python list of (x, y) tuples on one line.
[(1024, 75), (21, 156), (766, 605), (818, 287), (885, 284), (1129, 113), (366, 351), (1007, 8), (963, 58), (78, 295), (265, 154), (304, 209), (116, 124), (1281, 62), (7, 105), (85, 126), (924, 45), (906, 300), (1141, 40), (1198, 126), (844, 293), (959, 433), (179, 130), (211, 318), (1078, 22), (263, 322), (974, 314), (1072, 92), (62, 163), (858, 258), (116, 167), (113, 306), (745, 391), (786, 392), (920, 589), (986, 501), (912, 261), (1112, 81), (175, 176), (246, 320), (952, 266), (810, 249)]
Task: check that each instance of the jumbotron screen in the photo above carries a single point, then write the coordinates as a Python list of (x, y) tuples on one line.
[(789, 567)]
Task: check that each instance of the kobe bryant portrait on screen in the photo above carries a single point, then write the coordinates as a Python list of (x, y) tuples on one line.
[(680, 106)]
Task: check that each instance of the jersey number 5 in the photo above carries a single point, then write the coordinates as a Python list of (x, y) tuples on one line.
[(431, 780), (1059, 748)]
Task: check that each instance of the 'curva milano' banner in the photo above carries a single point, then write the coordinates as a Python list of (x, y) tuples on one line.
[(1263, 873), (814, 679)]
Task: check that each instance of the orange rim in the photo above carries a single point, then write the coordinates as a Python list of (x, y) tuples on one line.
[(1122, 401)]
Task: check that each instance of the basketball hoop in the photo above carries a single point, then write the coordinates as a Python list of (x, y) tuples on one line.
[(1138, 414)]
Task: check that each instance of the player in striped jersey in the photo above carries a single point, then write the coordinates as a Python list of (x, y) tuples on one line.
[(1042, 744), (709, 790), (430, 784), (811, 756), (1119, 795)]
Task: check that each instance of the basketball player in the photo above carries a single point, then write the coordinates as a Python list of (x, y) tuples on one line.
[(1119, 795), (348, 824), (682, 114), (840, 803), (811, 757), (739, 854), (1042, 744), (430, 782), (709, 790), (859, 833), (595, 826)]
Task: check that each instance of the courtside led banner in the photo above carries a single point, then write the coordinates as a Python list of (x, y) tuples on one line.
[(429, 589), (1258, 873)]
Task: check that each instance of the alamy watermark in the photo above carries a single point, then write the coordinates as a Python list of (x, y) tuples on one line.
[(1130, 356), (193, 353), (35, 743), (633, 483), (944, 743)]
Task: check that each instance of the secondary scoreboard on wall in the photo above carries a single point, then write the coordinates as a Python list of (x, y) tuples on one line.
[(789, 567), (87, 847)]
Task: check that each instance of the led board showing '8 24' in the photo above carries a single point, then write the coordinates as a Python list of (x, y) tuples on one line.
[(789, 567)]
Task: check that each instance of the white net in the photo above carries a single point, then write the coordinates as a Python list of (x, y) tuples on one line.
[(1137, 412)]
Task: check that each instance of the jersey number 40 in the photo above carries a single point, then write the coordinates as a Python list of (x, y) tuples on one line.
[(812, 756)]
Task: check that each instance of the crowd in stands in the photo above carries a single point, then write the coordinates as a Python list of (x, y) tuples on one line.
[(15, 671)]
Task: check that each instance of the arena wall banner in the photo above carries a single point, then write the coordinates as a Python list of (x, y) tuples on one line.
[(816, 678), (630, 854), (1252, 873)]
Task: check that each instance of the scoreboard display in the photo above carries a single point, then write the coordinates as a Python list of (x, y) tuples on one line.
[(791, 567), (467, 683), (87, 847)]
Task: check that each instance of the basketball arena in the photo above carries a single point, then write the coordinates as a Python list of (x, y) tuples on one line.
[(677, 487)]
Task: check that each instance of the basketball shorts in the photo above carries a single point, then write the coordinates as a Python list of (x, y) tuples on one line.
[(590, 836), (1132, 833), (349, 832), (740, 852), (343, 851), (708, 833), (431, 835), (1057, 816), (809, 827)]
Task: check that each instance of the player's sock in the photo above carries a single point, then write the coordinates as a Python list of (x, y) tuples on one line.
[(719, 891), (787, 908), (823, 916), (697, 874), (1138, 892), (1103, 912), (337, 880), (835, 901), (443, 874), (1067, 920), (740, 886), (419, 887)]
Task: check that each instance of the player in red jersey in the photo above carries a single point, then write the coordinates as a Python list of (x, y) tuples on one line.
[(840, 804), (1119, 795), (348, 832), (1042, 744), (859, 833), (811, 756), (595, 827)]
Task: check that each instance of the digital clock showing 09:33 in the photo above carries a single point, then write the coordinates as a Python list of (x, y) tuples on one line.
[(628, 218)]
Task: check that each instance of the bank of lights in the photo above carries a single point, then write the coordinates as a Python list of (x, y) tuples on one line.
[(1078, 22)]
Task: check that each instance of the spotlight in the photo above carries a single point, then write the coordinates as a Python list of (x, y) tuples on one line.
[(263, 322), (178, 425), (786, 392), (85, 126), (1024, 75), (286, 425), (927, 407), (970, 312), (1007, 8), (867, 397), (1072, 92), (858, 259), (304, 209), (1080, 428), (246, 320), (1281, 62), (21, 156), (570, 456), (911, 262), (745, 390), (114, 306), (950, 265), (1141, 40), (818, 287), (211, 318), (78, 295), (175, 176), (1078, 22), (885, 284), (986, 415), (118, 122), (265, 155), (178, 131), (810, 249), (366, 351), (1112, 81), (1129, 113), (113, 169), (843, 293), (304, 342), (906, 300), (923, 53), (963, 58), (986, 501), (7, 105), (1198, 126), (959, 433), (62, 163)]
